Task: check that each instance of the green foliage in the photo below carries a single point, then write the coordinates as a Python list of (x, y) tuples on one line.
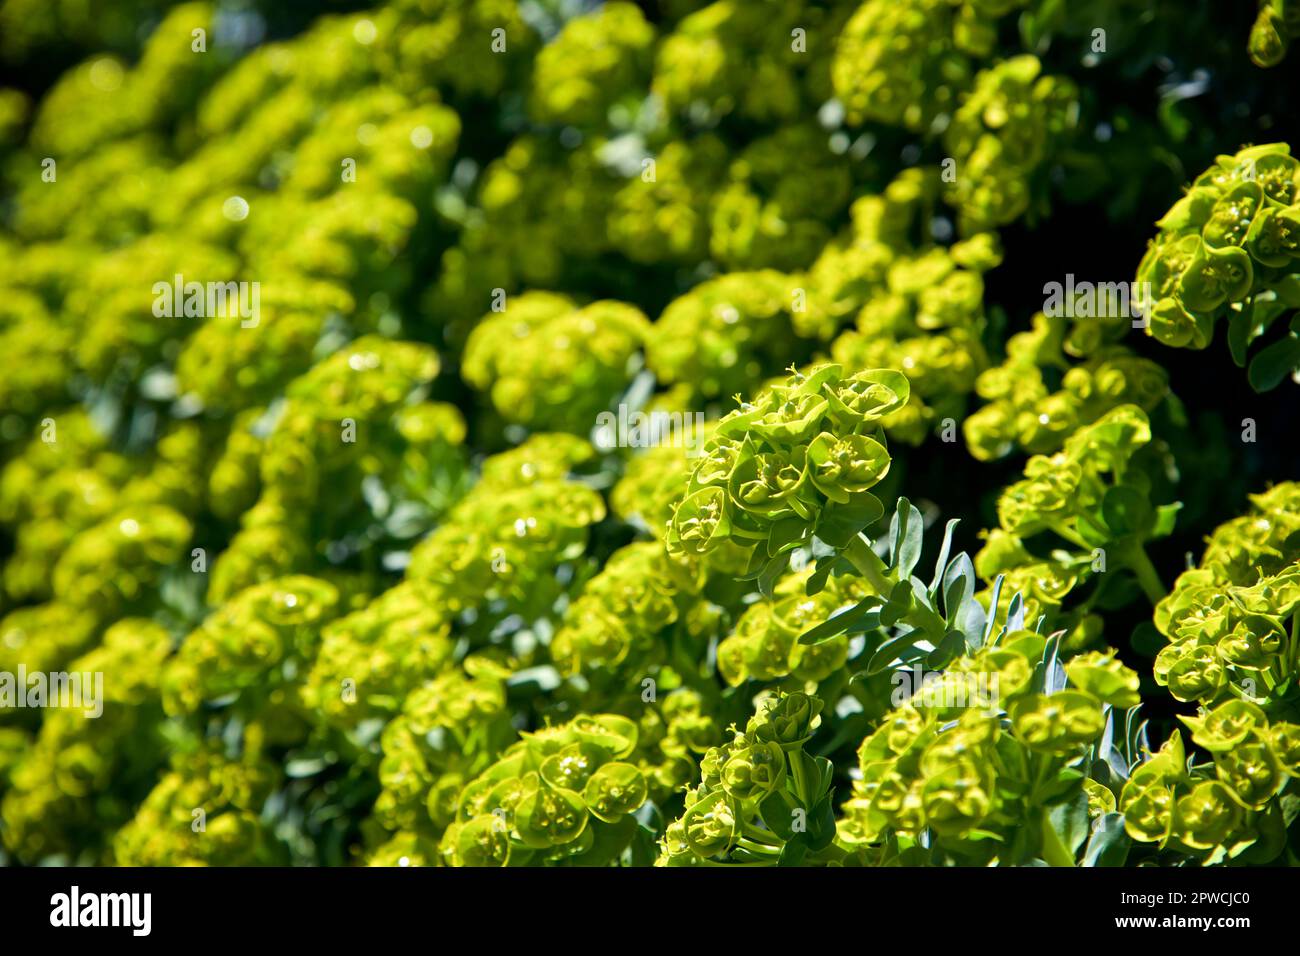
[(567, 364), (1229, 249), (761, 797), (1277, 24), (800, 460), (563, 795)]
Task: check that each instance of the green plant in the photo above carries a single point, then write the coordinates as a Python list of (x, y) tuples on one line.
[(1229, 249)]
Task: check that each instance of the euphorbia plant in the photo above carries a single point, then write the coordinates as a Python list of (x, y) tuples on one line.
[(762, 798), (1231, 248), (794, 469)]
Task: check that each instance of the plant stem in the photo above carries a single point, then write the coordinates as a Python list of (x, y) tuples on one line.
[(752, 834), (758, 849), (869, 564), (1146, 573), (1293, 655), (800, 778)]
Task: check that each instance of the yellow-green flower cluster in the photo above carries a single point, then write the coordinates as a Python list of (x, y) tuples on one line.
[(448, 731), (927, 321), (561, 795), (1230, 621), (204, 811), (1225, 810), (348, 610), (652, 482), (38, 347), (455, 45), (1023, 413), (662, 213), (906, 63), (1000, 136), (550, 365), (253, 651), (141, 542), (596, 61), (762, 797), (348, 420), (764, 644), (761, 62), (616, 626), (1057, 490), (43, 637), (984, 750), (1230, 248), (673, 737), (918, 305), (77, 503), (539, 209), (724, 334), (79, 778), (370, 661), (452, 768), (102, 99), (504, 544), (800, 460), (772, 215), (1095, 498)]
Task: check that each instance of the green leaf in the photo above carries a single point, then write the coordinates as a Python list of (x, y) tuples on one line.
[(777, 811), (941, 564), (771, 573), (817, 580), (1126, 511), (821, 823), (994, 598), (961, 609), (1071, 821), (1016, 613), (1067, 781), (839, 524), (905, 530), (958, 584), (1239, 329), (786, 534), (894, 648), (793, 853), (949, 649), (1109, 844), (1274, 363), (1055, 850), (900, 601), (1166, 519), (840, 622), (822, 771)]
